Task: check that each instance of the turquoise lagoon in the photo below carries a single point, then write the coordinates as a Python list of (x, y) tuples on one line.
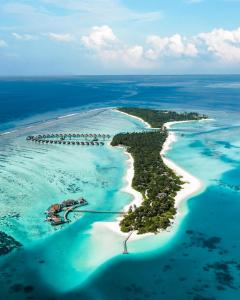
[(198, 258)]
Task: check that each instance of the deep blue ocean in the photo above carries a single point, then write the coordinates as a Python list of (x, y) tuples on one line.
[(24, 97), (200, 261)]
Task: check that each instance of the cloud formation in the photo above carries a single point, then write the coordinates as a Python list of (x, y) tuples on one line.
[(24, 37), (61, 37), (175, 45), (224, 44), (100, 37), (103, 43)]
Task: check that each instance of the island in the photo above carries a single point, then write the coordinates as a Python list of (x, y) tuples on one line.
[(157, 183)]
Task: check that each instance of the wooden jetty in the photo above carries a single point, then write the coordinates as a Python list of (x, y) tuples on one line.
[(125, 250)]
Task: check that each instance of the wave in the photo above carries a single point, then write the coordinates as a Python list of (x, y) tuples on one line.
[(7, 132), (67, 116)]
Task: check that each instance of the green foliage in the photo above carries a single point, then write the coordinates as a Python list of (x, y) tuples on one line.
[(152, 178), (156, 118)]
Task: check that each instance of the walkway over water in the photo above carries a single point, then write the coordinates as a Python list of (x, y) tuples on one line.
[(100, 211), (74, 209), (125, 250)]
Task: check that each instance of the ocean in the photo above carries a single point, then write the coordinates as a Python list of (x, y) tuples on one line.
[(198, 258)]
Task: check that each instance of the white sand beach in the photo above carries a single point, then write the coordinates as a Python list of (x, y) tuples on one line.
[(191, 186), (137, 118)]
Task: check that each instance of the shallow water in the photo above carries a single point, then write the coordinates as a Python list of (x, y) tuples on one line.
[(202, 260), (199, 257)]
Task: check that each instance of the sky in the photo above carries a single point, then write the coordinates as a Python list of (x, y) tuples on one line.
[(94, 37)]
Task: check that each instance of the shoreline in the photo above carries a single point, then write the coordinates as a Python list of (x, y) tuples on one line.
[(190, 187), (137, 118), (192, 184)]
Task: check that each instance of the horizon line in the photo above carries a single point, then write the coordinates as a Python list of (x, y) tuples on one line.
[(106, 75)]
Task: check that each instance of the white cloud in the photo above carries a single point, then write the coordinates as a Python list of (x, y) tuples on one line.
[(175, 45), (103, 43), (24, 37), (224, 44), (99, 37), (61, 37), (3, 44)]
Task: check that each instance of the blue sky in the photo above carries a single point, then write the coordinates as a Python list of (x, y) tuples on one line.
[(58, 37)]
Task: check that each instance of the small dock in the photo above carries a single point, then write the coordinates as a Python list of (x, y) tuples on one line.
[(125, 249)]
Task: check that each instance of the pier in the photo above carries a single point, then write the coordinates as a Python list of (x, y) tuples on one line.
[(55, 211), (78, 139), (100, 211), (125, 250)]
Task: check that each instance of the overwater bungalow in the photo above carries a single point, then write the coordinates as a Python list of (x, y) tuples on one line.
[(82, 201), (56, 220), (54, 209), (73, 143), (68, 143), (87, 143), (69, 202), (82, 143), (102, 143), (55, 142), (51, 141), (92, 143)]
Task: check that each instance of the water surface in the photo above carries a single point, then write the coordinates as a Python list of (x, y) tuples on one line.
[(199, 256)]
